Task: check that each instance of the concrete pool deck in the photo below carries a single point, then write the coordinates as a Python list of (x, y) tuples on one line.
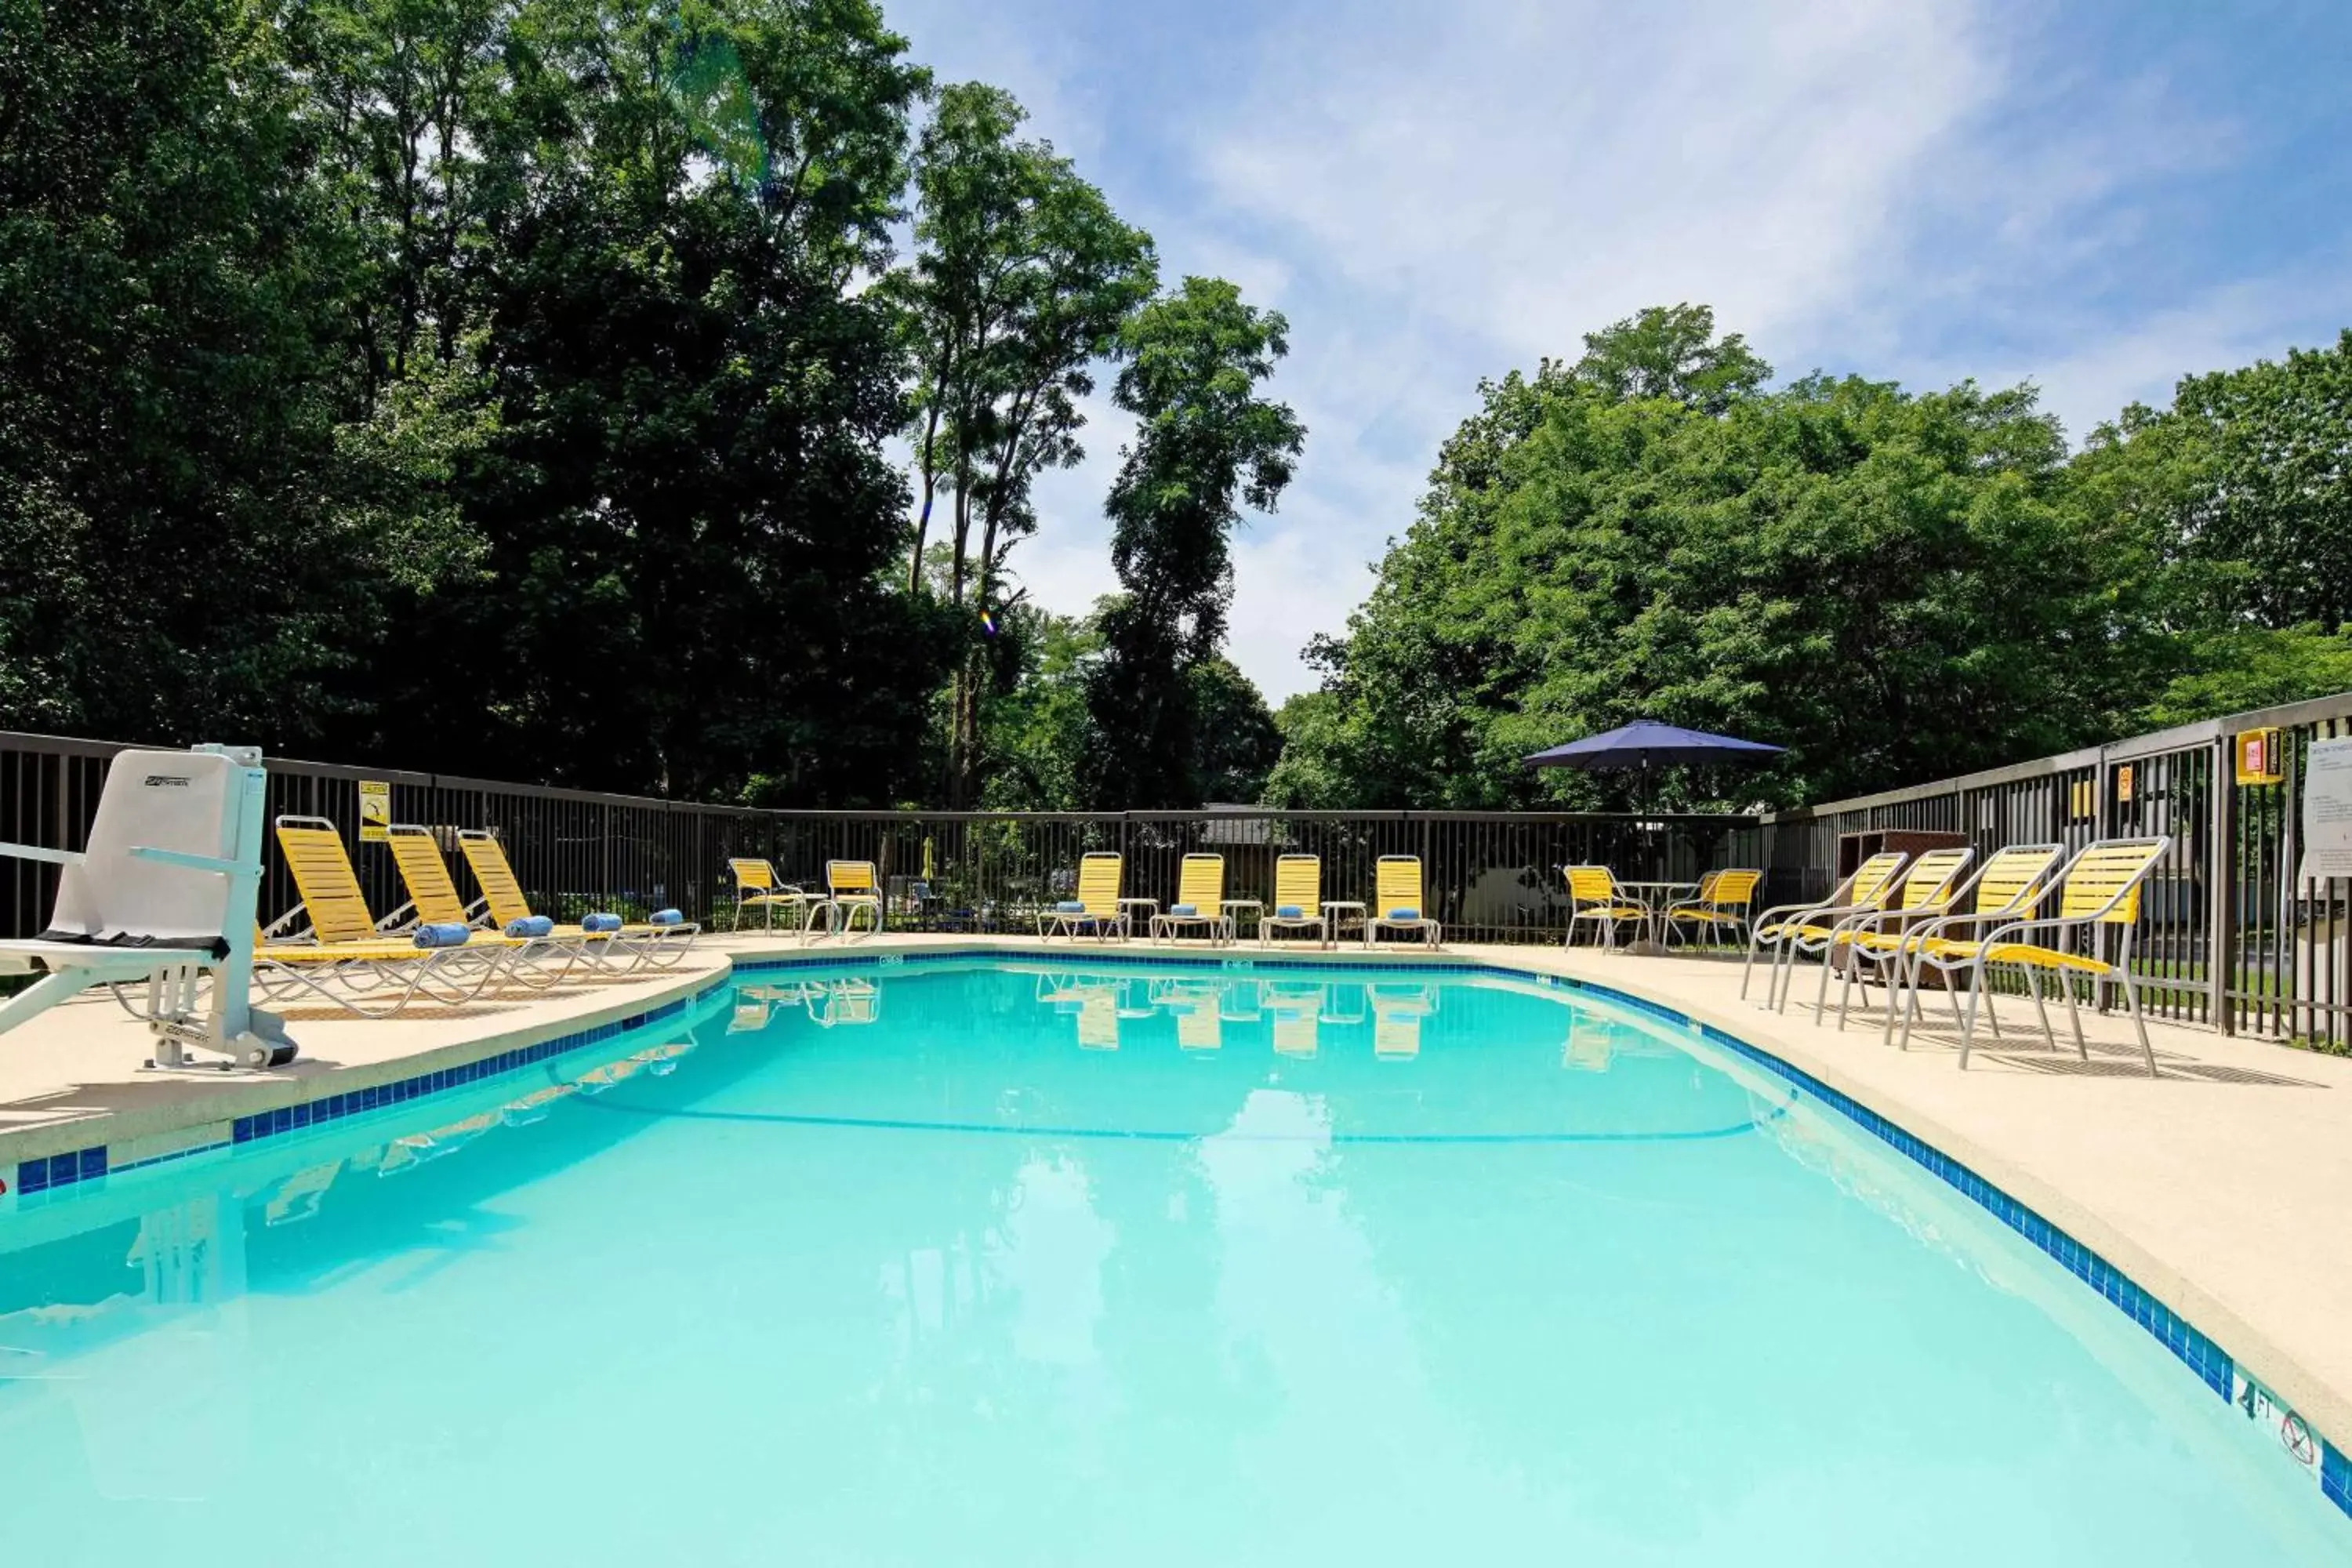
[(2218, 1187)]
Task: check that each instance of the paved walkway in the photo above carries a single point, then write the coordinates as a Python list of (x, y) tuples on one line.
[(2220, 1187)]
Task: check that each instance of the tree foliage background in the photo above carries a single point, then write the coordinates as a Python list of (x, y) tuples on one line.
[(1894, 585), (650, 396)]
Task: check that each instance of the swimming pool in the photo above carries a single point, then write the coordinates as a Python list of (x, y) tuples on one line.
[(993, 1261)]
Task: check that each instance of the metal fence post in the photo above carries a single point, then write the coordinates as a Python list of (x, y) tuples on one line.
[(2220, 861)]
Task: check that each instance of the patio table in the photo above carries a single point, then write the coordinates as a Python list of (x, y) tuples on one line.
[(1232, 910), (1656, 895), (1331, 908)]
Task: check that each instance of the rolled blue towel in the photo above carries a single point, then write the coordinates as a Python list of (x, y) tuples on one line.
[(1288, 912), (1189, 910), (1069, 907), (529, 925), (603, 920), (443, 935), (666, 918), (1405, 913)]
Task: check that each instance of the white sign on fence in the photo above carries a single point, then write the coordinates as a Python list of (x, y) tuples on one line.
[(2328, 810)]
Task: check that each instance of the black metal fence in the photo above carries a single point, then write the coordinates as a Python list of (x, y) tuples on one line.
[(1490, 876), (2230, 935)]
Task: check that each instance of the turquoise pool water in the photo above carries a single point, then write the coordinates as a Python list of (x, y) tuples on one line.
[(999, 1263)]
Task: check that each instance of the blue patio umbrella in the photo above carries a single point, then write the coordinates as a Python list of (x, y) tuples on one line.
[(1645, 745)]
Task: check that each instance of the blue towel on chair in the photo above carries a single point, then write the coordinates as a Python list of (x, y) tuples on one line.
[(529, 925), (603, 920), (1405, 913), (1188, 910), (443, 935), (1289, 912), (665, 918), (1069, 907)]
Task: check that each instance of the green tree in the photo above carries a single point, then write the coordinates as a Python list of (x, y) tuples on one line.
[(1669, 351), (1038, 731), (1021, 280), (1895, 586), (1235, 741), (691, 523), (1206, 445), (195, 538)]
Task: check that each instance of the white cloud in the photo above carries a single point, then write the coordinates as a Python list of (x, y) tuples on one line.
[(1435, 192)]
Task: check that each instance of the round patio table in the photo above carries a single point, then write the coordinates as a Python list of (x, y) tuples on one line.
[(1655, 897)]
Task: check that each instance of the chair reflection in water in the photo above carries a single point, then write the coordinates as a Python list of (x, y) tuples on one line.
[(1195, 1008), (836, 1002), (1297, 1010), (756, 1004), (1093, 1003), (1592, 1042), (1397, 1013)]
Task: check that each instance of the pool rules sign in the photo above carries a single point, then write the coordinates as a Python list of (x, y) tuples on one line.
[(2328, 810), (376, 811)]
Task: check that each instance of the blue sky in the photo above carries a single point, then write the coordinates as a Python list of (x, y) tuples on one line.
[(2094, 197)]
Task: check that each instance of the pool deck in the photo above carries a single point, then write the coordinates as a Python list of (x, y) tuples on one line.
[(2220, 1186)]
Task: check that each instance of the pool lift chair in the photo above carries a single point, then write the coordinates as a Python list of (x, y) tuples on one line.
[(164, 893)]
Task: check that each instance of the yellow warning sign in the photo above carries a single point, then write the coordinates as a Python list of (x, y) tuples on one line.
[(376, 811)]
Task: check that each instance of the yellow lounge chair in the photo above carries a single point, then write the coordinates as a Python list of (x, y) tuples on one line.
[(851, 889), (1865, 891), (1593, 895), (1098, 907), (2007, 886), (1877, 947), (1297, 900), (1397, 901), (2098, 891), (757, 888), (657, 944), (1723, 901), (344, 957), (1200, 902), (433, 896), (1927, 888)]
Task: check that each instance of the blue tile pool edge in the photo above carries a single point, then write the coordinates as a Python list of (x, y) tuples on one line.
[(48, 1174), (2212, 1365)]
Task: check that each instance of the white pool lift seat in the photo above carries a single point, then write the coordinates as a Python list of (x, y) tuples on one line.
[(164, 893)]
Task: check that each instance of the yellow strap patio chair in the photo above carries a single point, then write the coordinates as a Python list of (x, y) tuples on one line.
[(1594, 898), (1926, 889), (757, 887), (2098, 893), (1098, 908), (1200, 903), (1297, 900), (1722, 904), (343, 956), (540, 959), (1863, 892), (851, 889), (659, 943), (2006, 884), (1396, 901)]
